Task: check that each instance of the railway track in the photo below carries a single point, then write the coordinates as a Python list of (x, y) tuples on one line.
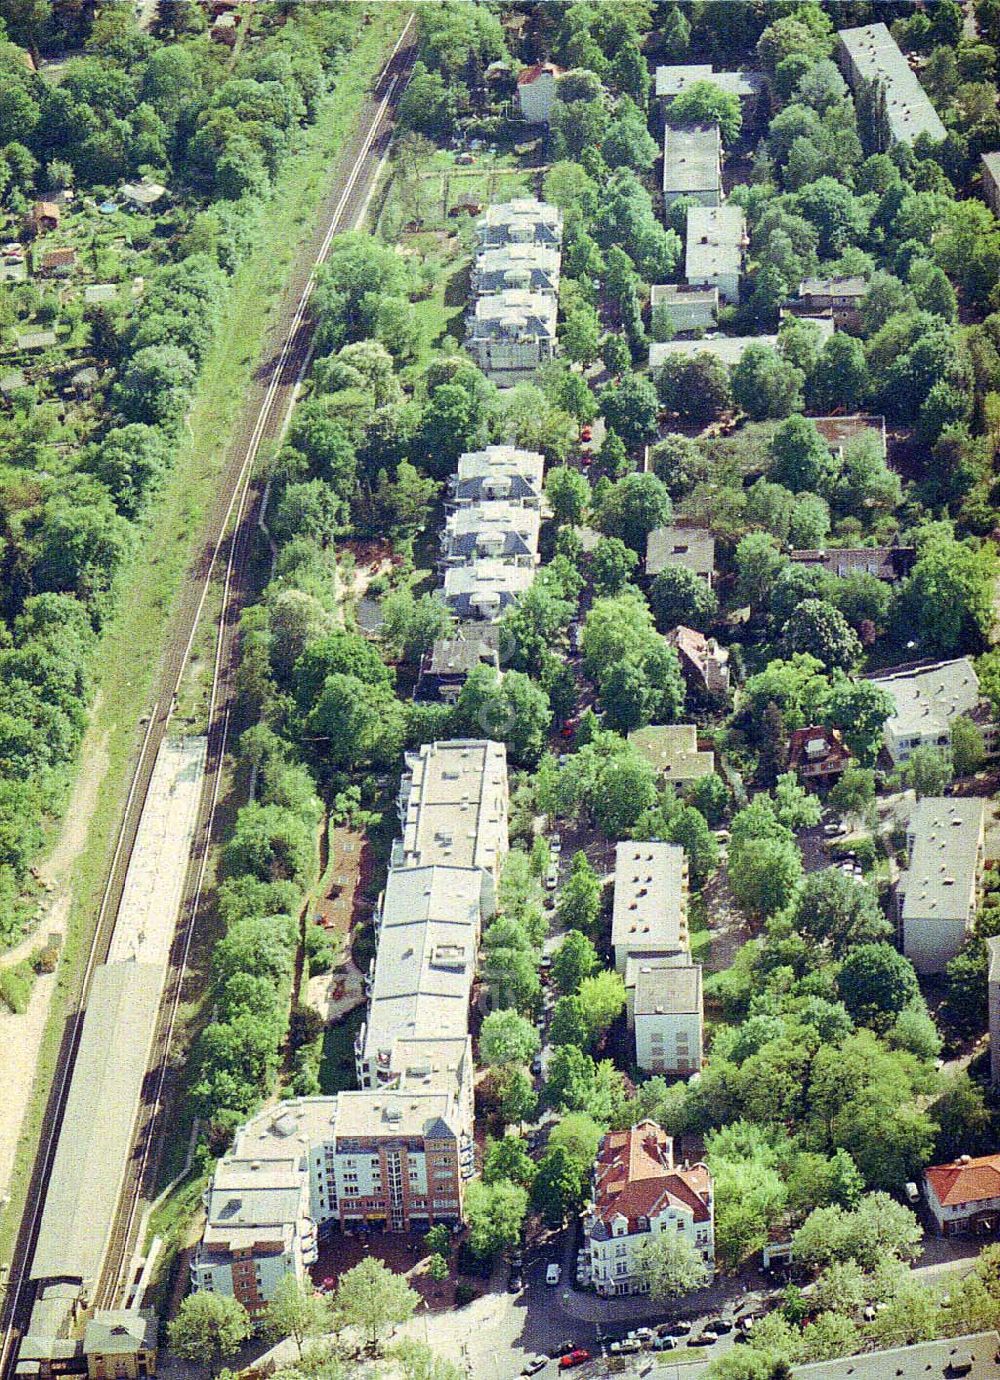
[(230, 538)]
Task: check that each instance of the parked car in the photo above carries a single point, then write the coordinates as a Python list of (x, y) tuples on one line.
[(703, 1339), (536, 1065), (574, 1358), (552, 877), (666, 1343), (718, 1325), (516, 1282), (644, 1334), (534, 1365), (627, 1346), (553, 1273), (680, 1327), (555, 843), (562, 1348)]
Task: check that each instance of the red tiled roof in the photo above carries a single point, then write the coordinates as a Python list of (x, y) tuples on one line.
[(635, 1177), (966, 1180), (531, 74)]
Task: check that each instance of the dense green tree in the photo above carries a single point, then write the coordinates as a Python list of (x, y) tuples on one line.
[(817, 628), (672, 1264), (839, 913), (508, 1159), (579, 905), (574, 960), (800, 458), (633, 507), (705, 103), (679, 595), (507, 1038), (568, 493), (559, 1187), (373, 1299), (630, 407), (495, 1215), (209, 1328), (876, 982)]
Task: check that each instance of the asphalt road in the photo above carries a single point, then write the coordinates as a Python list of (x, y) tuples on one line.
[(227, 545)]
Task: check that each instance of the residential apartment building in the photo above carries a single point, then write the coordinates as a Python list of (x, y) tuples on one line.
[(889, 563), (494, 530), (649, 915), (537, 87), (521, 221), (532, 267), (665, 1011), (938, 893), (639, 1193), (704, 664), (691, 547), (672, 79), (485, 589), (453, 808), (396, 1154), (692, 164), (420, 981), (511, 334), (818, 755), (672, 751), (927, 698), (840, 296), (993, 995), (684, 307), (498, 472), (991, 181), (964, 1197), (889, 92), (259, 1225), (715, 249), (121, 1344), (445, 668), (839, 432), (976, 1356)]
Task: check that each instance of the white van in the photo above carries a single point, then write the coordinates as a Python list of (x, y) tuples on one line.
[(553, 1274)]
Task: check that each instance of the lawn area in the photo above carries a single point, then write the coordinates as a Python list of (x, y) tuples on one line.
[(168, 539), (337, 1069)]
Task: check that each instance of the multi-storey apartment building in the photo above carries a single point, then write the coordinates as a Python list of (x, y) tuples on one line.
[(498, 472), (396, 1154), (639, 1194), (521, 221), (938, 893), (897, 106)]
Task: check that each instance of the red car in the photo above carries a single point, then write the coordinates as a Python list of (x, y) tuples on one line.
[(575, 1358), (586, 433)]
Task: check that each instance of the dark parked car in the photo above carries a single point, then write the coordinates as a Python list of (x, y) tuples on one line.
[(562, 1348), (719, 1326)]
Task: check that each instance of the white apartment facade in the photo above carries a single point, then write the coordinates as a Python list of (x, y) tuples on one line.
[(639, 1194), (665, 1010)]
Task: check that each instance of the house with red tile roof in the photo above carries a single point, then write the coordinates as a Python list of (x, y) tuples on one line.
[(964, 1196), (639, 1193)]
